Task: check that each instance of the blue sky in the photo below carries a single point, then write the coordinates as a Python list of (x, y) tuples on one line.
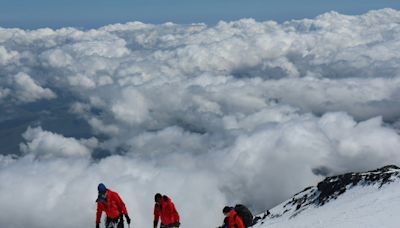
[(90, 13)]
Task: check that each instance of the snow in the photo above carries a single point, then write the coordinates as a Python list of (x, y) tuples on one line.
[(361, 206)]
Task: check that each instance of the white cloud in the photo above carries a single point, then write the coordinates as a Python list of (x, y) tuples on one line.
[(6, 56), (71, 185), (110, 49), (82, 81), (57, 58), (131, 107), (258, 168), (45, 144), (27, 90), (4, 92), (259, 161), (99, 126)]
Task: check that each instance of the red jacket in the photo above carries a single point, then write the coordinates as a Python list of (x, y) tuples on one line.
[(235, 219), (114, 206), (166, 211)]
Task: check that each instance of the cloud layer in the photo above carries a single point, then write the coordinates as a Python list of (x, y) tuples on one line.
[(244, 111)]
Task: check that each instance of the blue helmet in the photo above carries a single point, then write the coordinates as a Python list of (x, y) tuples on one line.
[(101, 188)]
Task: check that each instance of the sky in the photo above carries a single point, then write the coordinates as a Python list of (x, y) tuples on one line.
[(89, 13), (243, 111)]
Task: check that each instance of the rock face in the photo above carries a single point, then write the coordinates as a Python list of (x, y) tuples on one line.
[(334, 186), (329, 189)]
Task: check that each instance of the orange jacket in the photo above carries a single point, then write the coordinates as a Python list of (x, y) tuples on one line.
[(114, 206), (235, 221), (166, 211)]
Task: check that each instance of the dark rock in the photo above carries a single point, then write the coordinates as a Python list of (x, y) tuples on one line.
[(333, 187)]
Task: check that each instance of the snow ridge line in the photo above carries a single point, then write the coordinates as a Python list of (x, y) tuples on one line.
[(331, 188)]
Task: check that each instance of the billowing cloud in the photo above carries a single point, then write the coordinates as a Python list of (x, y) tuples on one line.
[(243, 111), (4, 92), (70, 186), (27, 90), (22, 88), (45, 144), (6, 56)]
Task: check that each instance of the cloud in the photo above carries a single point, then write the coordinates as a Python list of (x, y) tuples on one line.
[(6, 56), (258, 161), (4, 92), (57, 58), (22, 88), (131, 107), (259, 168), (242, 111), (27, 90), (45, 144), (71, 185)]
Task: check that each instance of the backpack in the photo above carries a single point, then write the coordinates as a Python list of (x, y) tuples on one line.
[(245, 214)]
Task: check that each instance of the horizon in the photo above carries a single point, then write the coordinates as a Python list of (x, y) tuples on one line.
[(94, 14)]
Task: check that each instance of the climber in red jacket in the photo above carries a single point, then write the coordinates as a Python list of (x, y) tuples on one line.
[(234, 220), (110, 202), (165, 209)]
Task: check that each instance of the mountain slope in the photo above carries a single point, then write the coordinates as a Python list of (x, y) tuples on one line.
[(369, 199)]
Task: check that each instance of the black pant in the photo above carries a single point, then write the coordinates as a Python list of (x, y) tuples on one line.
[(111, 222), (169, 226)]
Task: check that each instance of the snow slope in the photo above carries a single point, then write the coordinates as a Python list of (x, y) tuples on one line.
[(370, 199)]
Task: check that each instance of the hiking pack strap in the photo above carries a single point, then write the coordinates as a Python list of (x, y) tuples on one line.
[(234, 220)]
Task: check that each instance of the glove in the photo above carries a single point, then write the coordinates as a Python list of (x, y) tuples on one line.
[(155, 223), (177, 224), (128, 220), (97, 225)]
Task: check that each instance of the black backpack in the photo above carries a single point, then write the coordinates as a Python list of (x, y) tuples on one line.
[(245, 214)]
